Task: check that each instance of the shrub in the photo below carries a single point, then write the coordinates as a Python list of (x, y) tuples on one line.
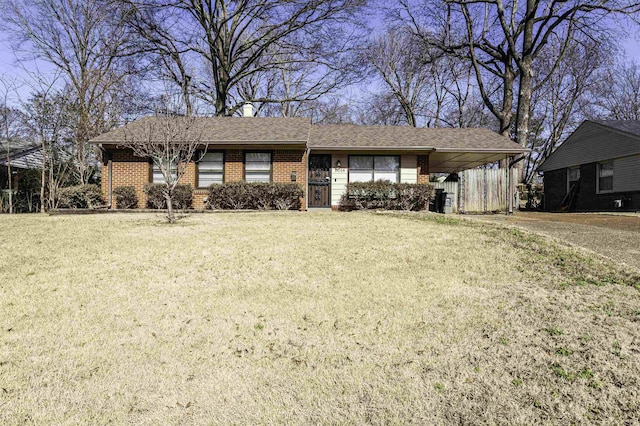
[(182, 196), (126, 197), (386, 196), (255, 195), (80, 197)]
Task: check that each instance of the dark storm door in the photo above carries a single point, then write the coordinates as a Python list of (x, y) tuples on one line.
[(319, 180)]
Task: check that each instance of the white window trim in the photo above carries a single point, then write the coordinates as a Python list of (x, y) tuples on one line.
[(607, 191), (569, 175)]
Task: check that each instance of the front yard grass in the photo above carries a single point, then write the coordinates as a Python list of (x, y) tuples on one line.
[(309, 318)]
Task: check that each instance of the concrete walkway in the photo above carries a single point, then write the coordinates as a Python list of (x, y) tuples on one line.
[(616, 236)]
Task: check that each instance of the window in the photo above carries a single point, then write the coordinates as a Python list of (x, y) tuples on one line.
[(366, 168), (156, 175), (210, 169), (573, 176), (605, 176), (257, 167)]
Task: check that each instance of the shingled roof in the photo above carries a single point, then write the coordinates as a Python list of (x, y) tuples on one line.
[(277, 130), (593, 141), (627, 126), (224, 130), (349, 136)]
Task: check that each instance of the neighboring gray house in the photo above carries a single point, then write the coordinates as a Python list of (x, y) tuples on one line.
[(23, 155), (597, 168)]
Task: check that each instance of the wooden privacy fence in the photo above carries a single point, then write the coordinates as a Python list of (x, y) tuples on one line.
[(479, 190)]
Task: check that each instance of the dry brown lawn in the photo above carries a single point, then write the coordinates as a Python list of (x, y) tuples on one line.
[(300, 318)]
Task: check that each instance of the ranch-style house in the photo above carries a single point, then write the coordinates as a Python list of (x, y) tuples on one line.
[(321, 158)]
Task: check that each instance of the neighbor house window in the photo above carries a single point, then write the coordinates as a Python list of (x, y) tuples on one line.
[(210, 169), (573, 177), (605, 176), (257, 167), (157, 176), (366, 168)]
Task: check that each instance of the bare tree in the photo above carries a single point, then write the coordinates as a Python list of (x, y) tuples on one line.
[(51, 123), (86, 41), (11, 128), (560, 104), (171, 142), (162, 37), (403, 64), (504, 38), (617, 94), (236, 40)]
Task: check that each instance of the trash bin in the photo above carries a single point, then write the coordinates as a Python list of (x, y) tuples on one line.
[(438, 201), (448, 202)]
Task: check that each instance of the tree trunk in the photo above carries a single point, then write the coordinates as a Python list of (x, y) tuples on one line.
[(171, 217), (9, 181), (43, 175)]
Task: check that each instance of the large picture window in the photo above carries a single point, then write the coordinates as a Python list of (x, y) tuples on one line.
[(605, 176), (366, 168), (211, 169), (257, 167)]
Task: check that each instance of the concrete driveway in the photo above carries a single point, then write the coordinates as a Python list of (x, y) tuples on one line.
[(616, 236)]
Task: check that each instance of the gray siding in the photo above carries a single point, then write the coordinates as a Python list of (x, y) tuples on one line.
[(590, 143), (626, 174)]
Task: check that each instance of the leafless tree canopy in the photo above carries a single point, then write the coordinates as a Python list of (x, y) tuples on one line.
[(85, 40), (226, 52), (171, 143)]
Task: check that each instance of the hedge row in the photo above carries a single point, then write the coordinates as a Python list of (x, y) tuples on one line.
[(385, 195), (262, 196), (80, 197), (182, 196), (126, 197)]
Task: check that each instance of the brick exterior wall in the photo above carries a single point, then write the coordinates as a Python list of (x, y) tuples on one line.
[(423, 169), (233, 165), (287, 161), (129, 170), (555, 188)]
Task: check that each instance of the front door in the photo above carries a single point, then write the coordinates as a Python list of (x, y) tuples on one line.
[(319, 180)]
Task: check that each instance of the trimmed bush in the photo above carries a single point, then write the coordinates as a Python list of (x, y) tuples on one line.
[(182, 196), (385, 195), (255, 196), (80, 197), (126, 197)]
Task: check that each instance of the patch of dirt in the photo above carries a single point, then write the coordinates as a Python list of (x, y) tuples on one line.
[(614, 236)]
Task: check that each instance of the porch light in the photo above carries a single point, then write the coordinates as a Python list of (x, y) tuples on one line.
[(338, 164), (294, 176)]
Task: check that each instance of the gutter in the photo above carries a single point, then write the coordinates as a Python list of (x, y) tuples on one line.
[(420, 148), (224, 142), (374, 148)]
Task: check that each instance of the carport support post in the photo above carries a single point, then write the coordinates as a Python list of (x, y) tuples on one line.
[(110, 183)]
